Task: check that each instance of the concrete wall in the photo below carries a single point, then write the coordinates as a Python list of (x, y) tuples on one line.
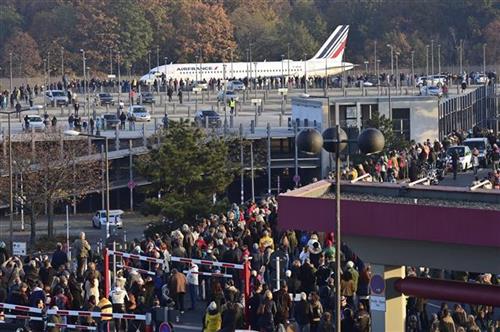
[(424, 122)]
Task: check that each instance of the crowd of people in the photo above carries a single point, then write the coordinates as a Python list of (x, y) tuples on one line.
[(291, 282)]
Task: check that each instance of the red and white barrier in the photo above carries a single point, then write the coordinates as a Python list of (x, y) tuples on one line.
[(37, 318), (130, 268), (62, 312), (176, 259), (210, 274), (73, 326)]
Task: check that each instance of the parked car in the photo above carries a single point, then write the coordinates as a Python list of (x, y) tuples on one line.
[(431, 91), (235, 86), (99, 218), (482, 144), (229, 94), (36, 122), (110, 121), (147, 98), (56, 98), (431, 80), (464, 156), (207, 117), (139, 113), (105, 99)]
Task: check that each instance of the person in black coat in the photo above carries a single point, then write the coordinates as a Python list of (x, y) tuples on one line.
[(59, 257)]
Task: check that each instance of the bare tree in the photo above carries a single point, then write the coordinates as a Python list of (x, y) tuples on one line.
[(53, 171)]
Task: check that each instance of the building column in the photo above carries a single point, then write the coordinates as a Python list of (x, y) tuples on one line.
[(394, 316), (358, 116)]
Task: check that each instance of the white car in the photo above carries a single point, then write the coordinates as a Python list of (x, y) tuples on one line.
[(229, 95), (438, 80), (464, 156), (99, 218), (236, 86), (139, 113), (35, 122), (431, 91), (56, 98)]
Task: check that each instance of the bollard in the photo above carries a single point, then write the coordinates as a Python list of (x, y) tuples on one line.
[(281, 120), (62, 110), (252, 126), (231, 121), (152, 108), (206, 122)]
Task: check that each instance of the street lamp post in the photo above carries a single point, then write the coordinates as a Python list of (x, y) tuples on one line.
[(484, 63), (48, 65), (439, 59), (397, 73), (10, 70), (106, 157), (305, 74), (62, 61), (432, 57), (119, 77), (282, 74), (84, 78), (412, 70), (392, 58), (426, 60), (110, 61), (334, 140)]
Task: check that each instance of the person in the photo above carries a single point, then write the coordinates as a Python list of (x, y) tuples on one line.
[(316, 311), (54, 122), (91, 125), (475, 160), (177, 287), (71, 121), (232, 105), (283, 304), (81, 248), (105, 306), (179, 94), (192, 279), (165, 121), (267, 311), (363, 319), (170, 92), (495, 156), (122, 118), (302, 313), (119, 298), (446, 323), (59, 257), (212, 321), (26, 123), (454, 163)]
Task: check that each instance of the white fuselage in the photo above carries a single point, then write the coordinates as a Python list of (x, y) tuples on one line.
[(240, 70)]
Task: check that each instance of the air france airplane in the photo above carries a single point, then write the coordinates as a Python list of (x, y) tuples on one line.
[(328, 60)]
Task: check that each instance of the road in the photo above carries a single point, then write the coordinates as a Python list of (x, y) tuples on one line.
[(133, 227)]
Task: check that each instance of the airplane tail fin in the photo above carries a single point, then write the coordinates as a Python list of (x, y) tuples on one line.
[(334, 46)]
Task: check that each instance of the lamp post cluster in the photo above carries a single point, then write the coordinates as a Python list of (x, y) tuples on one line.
[(334, 140)]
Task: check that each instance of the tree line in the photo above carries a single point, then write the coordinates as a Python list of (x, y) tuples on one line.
[(49, 34)]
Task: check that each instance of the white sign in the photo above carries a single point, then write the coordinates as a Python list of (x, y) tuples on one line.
[(111, 76), (283, 91), (196, 89), (256, 101), (19, 248), (377, 303)]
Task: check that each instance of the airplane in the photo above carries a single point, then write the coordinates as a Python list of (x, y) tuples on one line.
[(328, 60)]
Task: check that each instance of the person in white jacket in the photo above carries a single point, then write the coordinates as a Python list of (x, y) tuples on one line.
[(192, 279)]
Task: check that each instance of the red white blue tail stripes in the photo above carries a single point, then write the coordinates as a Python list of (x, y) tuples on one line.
[(334, 46)]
